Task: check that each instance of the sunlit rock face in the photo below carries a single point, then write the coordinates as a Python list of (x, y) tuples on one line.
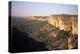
[(38, 18), (74, 20), (64, 22)]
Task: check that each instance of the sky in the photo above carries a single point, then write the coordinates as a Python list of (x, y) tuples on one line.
[(22, 9)]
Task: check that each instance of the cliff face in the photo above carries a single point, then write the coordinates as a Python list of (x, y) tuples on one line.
[(65, 22), (74, 24)]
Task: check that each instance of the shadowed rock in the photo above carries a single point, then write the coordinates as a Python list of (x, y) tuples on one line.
[(20, 42)]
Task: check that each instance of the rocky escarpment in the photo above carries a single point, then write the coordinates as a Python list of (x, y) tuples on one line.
[(66, 23)]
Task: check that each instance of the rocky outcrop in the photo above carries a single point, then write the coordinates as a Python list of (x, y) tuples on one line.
[(66, 23)]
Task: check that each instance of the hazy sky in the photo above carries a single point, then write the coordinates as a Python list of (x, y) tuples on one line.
[(22, 9)]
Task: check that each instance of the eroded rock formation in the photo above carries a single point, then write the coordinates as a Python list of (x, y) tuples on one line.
[(66, 23)]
